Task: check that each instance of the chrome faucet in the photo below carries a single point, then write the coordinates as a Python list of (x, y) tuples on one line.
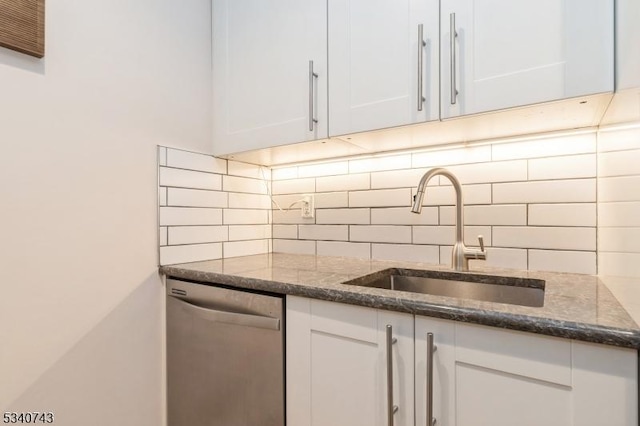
[(461, 253)]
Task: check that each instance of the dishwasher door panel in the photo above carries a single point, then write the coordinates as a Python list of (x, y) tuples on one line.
[(224, 368)]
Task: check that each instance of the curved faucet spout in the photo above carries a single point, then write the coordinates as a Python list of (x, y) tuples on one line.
[(461, 254), (422, 186)]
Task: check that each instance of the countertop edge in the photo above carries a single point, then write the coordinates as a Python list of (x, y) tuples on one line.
[(618, 337)]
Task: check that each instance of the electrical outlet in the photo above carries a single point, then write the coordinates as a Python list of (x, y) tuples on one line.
[(308, 207)]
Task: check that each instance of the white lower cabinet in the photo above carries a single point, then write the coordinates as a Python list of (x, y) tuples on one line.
[(337, 366)]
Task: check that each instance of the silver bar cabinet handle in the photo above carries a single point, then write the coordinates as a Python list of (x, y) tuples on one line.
[(391, 409), (421, 45), (453, 35), (312, 76), (431, 348)]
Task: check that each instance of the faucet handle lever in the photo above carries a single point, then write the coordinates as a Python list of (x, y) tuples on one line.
[(481, 241)]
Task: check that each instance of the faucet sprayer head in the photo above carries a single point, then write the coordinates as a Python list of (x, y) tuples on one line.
[(417, 202)]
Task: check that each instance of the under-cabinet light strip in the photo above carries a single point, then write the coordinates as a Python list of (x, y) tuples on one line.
[(446, 147)]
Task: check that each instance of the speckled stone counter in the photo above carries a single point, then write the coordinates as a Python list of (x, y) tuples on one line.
[(578, 307)]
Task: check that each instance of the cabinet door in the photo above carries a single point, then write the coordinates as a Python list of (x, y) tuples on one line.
[(374, 72), (513, 53), (506, 378), (337, 365), (443, 379), (263, 90)]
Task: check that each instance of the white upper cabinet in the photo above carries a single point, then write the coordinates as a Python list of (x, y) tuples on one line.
[(513, 53), (384, 63), (264, 92)]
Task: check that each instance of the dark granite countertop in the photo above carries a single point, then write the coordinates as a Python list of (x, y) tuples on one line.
[(580, 307)]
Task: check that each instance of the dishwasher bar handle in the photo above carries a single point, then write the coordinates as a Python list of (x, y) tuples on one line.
[(247, 320)]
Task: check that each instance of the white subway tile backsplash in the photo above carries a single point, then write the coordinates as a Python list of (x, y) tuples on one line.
[(245, 217), (325, 200), (380, 233), (338, 248), (283, 173), (619, 214), (181, 197), (472, 154), (249, 201), (343, 183), (192, 161), (291, 217), (237, 168), (170, 255), (245, 248), (487, 215), (578, 214), (162, 196), (619, 239), (577, 262), (399, 179), (403, 216), (343, 216), (406, 253), (619, 139), (445, 195), (323, 169), (546, 147), (381, 198), (249, 232), (189, 216), (619, 163), (242, 184), (294, 246), (626, 188), (163, 236), (553, 238), (555, 191), (285, 231), (619, 264), (534, 201), (571, 167), (287, 201), (497, 171), (162, 156), (324, 232), (376, 164), (435, 235), (471, 234), (180, 235), (446, 255), (189, 179), (502, 258), (293, 186)]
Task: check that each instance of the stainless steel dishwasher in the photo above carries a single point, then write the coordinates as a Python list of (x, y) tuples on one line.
[(225, 356)]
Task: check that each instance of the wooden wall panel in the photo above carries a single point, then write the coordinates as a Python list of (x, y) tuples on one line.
[(22, 26)]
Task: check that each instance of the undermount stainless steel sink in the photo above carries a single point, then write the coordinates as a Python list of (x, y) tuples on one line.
[(488, 288)]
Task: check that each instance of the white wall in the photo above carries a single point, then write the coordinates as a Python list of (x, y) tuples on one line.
[(80, 312)]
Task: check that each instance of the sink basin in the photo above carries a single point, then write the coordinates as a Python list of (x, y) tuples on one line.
[(488, 288)]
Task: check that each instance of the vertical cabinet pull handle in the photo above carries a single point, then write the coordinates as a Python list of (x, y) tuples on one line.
[(453, 35), (312, 77), (431, 348), (391, 409), (421, 45)]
